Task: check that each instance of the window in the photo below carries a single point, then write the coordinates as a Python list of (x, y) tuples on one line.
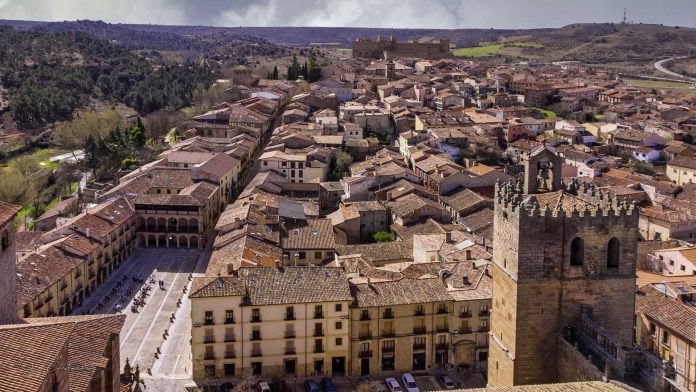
[(339, 324), (302, 255), (318, 311), (265, 163), (653, 329), (256, 368), (683, 268), (577, 252), (255, 315), (665, 338), (229, 316), (339, 341), (339, 307), (317, 255), (613, 253), (229, 370), (209, 318), (290, 313)]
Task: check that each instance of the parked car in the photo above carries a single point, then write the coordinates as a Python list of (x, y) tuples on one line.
[(410, 383), (311, 386), (392, 384), (446, 381), (328, 385), (263, 386)]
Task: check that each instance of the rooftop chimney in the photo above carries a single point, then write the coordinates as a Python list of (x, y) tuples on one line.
[(465, 280), (468, 254)]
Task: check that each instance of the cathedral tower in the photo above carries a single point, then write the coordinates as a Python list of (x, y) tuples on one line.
[(558, 250)]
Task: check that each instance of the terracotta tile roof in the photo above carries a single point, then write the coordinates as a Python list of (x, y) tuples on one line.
[(26, 240), (580, 386), (399, 292), (466, 199), (294, 285), (379, 252), (685, 162), (656, 303), (38, 271), (310, 234), (406, 233), (80, 243), (214, 286), (407, 205), (478, 220), (7, 212), (31, 348)]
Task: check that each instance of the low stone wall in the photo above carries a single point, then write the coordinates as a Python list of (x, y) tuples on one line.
[(574, 366)]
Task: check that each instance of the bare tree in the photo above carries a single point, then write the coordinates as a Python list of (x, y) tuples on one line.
[(159, 124)]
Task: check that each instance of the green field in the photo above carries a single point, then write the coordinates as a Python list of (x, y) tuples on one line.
[(655, 83), (479, 51), (527, 44), (547, 113)]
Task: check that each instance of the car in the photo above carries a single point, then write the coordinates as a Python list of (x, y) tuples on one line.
[(410, 383), (328, 385), (446, 381), (311, 386), (392, 384), (263, 386)]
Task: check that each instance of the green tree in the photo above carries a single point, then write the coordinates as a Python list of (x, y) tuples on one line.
[(341, 163), (92, 154), (136, 137), (383, 236), (274, 75)]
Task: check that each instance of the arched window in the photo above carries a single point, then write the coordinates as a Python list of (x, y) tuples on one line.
[(577, 251), (613, 252), (5, 241)]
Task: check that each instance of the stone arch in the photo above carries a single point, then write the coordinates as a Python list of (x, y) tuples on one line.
[(161, 241), (577, 251), (151, 223), (140, 223), (193, 242), (193, 224), (161, 224), (183, 241), (613, 253), (151, 240), (183, 224)]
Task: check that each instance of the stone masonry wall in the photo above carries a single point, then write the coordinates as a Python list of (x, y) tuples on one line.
[(8, 277)]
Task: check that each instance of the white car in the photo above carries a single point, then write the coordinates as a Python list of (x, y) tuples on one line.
[(446, 381), (263, 386), (410, 383), (392, 384)]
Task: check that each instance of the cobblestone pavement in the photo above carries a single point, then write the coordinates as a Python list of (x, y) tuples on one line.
[(143, 329)]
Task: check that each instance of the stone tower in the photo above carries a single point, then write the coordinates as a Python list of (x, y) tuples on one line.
[(558, 250), (8, 264)]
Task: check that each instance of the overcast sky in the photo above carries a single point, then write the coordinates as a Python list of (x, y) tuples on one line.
[(357, 13)]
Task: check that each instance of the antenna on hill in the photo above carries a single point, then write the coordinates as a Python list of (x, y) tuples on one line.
[(624, 20)]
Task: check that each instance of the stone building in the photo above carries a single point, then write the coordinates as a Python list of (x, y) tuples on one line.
[(564, 271), (425, 48), (7, 262)]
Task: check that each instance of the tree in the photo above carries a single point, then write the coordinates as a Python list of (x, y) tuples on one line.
[(92, 154), (383, 236), (158, 124), (294, 68), (14, 187), (341, 164), (274, 75), (136, 137)]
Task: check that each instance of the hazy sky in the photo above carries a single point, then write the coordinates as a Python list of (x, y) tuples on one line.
[(357, 13)]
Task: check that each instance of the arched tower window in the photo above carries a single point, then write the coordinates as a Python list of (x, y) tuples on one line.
[(577, 251), (613, 252)]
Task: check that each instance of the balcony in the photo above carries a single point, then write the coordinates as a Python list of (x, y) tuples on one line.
[(418, 346), (485, 312), (388, 334), (209, 357), (318, 350), (318, 315), (255, 353), (256, 319), (419, 330), (482, 346), (364, 353), (388, 349), (484, 329), (365, 317), (229, 338), (256, 336), (49, 298), (209, 339), (63, 286), (290, 351), (65, 299), (229, 320), (209, 321), (388, 315), (419, 312), (290, 335), (465, 330), (442, 346), (442, 310), (289, 317), (365, 335), (318, 333), (230, 355), (442, 328), (465, 314)]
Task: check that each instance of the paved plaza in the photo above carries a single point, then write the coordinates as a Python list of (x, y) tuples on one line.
[(144, 328)]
